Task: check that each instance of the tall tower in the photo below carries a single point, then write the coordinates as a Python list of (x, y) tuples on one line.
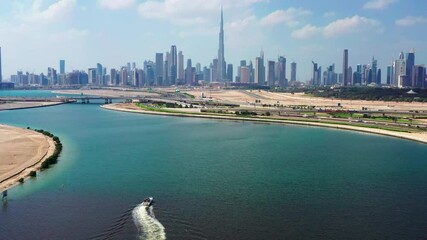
[(61, 66), (410, 62), (345, 76), (221, 60), (173, 64), (293, 71), (374, 68)]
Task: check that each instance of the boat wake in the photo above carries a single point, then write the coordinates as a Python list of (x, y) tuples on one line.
[(149, 227)]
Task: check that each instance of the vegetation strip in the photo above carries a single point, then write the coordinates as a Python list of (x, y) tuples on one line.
[(252, 117), (53, 159)]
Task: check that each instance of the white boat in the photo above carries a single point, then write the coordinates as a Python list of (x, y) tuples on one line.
[(147, 202)]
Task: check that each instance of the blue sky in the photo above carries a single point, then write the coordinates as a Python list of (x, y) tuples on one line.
[(36, 34)]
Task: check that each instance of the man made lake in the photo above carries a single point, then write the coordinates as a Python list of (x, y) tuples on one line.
[(214, 179)]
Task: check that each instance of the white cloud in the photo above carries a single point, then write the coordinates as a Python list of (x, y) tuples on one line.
[(180, 12), (329, 14), (191, 12), (345, 26), (116, 4), (350, 25), (378, 4), (410, 21), (55, 12), (289, 17), (305, 32)]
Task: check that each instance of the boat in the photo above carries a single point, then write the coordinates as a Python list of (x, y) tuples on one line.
[(147, 201)]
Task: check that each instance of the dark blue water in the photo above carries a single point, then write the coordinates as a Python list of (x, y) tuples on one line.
[(215, 180)]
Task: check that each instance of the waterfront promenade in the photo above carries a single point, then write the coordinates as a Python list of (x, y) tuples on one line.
[(414, 136)]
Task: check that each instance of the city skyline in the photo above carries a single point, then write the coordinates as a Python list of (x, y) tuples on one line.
[(292, 29)]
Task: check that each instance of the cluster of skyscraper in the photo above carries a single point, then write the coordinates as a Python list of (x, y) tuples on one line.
[(402, 73), (168, 69)]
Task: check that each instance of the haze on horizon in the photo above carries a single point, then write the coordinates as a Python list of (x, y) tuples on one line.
[(36, 34)]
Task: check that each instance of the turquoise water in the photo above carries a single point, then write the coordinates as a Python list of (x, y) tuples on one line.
[(214, 179)]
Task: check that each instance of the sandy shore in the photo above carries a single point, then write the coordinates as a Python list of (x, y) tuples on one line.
[(21, 151), (23, 105), (244, 97), (419, 137)]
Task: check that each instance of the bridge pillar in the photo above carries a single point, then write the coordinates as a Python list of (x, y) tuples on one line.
[(106, 101), (110, 100)]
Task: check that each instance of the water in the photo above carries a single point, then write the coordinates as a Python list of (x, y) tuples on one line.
[(214, 179)]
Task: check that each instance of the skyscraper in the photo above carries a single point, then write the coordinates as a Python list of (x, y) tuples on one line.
[(271, 73), (281, 75), (410, 62), (230, 72), (389, 74), (399, 71), (181, 75), (1, 76), (419, 76), (221, 59), (345, 68), (173, 64), (293, 71), (374, 70), (159, 69), (61, 66)]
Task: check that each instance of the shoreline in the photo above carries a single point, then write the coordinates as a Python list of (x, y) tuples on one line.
[(417, 137), (43, 149), (27, 105)]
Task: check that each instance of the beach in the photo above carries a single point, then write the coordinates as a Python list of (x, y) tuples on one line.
[(21, 151)]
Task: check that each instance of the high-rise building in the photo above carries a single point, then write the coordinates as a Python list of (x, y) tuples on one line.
[(316, 75), (221, 59), (260, 70), (91, 76), (410, 62), (345, 68), (374, 69), (99, 75), (61, 66), (389, 74), (293, 71), (419, 76), (1, 76), (159, 69), (271, 73), (399, 70), (281, 71), (330, 77), (189, 73), (357, 76), (214, 68), (181, 74), (173, 65), (245, 74), (229, 72), (113, 77)]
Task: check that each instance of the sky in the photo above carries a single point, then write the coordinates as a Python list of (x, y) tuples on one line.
[(36, 34)]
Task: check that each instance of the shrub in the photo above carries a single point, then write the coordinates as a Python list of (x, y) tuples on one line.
[(33, 174), (21, 180)]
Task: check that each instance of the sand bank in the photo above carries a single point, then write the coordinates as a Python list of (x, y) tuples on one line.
[(23, 105), (21, 151), (419, 137)]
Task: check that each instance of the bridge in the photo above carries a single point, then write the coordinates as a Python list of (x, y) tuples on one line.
[(82, 99)]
